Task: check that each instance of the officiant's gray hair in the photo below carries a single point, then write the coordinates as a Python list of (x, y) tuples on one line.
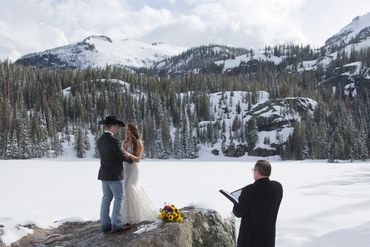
[(263, 167)]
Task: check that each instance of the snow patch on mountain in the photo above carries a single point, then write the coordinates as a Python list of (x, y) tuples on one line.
[(259, 55), (132, 53)]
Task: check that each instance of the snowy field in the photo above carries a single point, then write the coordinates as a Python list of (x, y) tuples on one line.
[(323, 204)]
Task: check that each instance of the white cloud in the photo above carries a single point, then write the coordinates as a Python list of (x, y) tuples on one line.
[(34, 25), (236, 22)]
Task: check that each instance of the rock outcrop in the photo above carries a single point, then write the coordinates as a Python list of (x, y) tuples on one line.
[(200, 228)]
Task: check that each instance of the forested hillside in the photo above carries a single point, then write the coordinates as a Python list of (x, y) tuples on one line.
[(258, 107)]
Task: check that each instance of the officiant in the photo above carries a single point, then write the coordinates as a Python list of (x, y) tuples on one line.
[(258, 207)]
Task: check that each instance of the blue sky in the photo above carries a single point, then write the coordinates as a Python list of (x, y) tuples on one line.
[(35, 25)]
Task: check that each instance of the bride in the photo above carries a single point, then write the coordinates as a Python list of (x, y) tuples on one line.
[(136, 205)]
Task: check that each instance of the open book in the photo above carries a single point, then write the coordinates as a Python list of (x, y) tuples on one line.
[(232, 196)]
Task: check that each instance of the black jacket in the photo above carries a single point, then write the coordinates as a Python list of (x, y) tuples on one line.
[(111, 158), (258, 206)]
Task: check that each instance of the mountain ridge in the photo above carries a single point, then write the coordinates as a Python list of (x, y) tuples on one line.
[(164, 59)]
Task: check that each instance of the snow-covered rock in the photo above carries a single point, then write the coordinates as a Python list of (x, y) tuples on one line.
[(200, 228), (275, 118)]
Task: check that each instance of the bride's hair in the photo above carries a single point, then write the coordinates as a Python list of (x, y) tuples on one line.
[(134, 130)]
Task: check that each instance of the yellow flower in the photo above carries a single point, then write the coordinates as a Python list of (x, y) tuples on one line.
[(171, 213), (171, 218)]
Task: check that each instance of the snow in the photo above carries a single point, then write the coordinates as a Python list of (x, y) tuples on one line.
[(258, 55), (308, 65), (274, 136), (98, 51), (148, 227), (125, 85), (350, 88), (324, 204), (132, 53), (367, 74), (280, 109), (350, 31), (356, 71)]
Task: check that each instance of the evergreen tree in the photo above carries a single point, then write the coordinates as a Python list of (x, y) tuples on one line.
[(251, 134), (24, 136), (12, 151), (79, 144)]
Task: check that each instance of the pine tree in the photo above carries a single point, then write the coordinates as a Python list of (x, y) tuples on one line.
[(251, 134), (56, 145), (24, 136), (79, 144), (87, 140), (160, 150), (96, 138), (178, 145), (43, 141), (166, 136), (360, 146), (336, 147), (12, 151)]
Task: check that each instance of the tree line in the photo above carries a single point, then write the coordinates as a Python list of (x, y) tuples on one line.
[(42, 109)]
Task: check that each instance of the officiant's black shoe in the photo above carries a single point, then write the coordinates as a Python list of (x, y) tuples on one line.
[(106, 230)]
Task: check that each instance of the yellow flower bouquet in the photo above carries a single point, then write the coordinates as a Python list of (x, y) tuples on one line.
[(171, 214)]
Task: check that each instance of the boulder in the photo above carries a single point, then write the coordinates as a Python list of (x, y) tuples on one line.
[(263, 152), (232, 151), (200, 228)]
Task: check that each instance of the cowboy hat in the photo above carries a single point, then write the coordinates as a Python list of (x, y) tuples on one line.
[(112, 120)]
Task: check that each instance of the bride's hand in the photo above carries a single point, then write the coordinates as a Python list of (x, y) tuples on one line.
[(127, 154)]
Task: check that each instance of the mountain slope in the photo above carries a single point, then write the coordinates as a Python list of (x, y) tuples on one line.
[(98, 51), (197, 59), (355, 32)]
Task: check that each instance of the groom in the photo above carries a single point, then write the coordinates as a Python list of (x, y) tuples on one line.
[(111, 175)]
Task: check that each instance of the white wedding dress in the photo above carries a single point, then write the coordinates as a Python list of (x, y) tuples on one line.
[(136, 204)]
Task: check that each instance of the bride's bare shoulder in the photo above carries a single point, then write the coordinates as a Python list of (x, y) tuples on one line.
[(140, 143)]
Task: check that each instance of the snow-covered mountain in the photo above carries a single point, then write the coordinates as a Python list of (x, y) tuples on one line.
[(353, 37), (197, 59), (170, 60), (98, 51), (352, 76), (358, 31)]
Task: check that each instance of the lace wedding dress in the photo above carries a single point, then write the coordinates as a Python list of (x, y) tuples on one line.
[(137, 206)]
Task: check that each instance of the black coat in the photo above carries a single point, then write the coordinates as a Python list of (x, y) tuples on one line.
[(111, 158), (258, 206)]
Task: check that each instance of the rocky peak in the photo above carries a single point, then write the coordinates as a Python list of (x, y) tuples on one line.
[(356, 31), (99, 37)]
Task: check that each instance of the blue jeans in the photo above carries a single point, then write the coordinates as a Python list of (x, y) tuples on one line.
[(112, 189)]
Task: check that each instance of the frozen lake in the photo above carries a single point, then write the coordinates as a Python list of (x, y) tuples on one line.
[(323, 204)]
